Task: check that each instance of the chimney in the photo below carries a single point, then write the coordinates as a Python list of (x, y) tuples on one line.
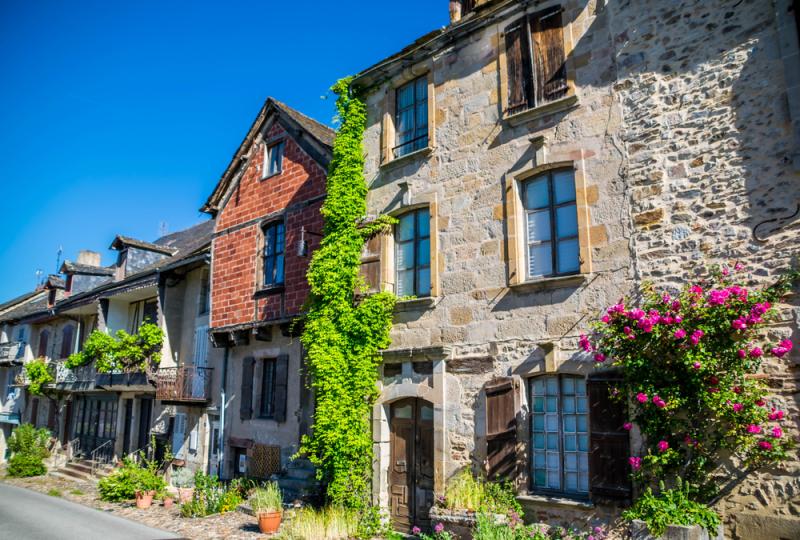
[(455, 11), (89, 258)]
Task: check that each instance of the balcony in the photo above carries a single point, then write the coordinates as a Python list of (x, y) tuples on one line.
[(12, 352), (80, 378), (187, 384)]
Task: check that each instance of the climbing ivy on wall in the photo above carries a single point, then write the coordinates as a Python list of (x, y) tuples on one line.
[(344, 330), (121, 352)]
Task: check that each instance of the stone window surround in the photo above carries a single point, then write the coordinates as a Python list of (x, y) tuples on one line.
[(515, 222), (387, 267), (564, 103), (407, 388), (388, 133)]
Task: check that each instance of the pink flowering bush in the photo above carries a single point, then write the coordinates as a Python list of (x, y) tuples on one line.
[(689, 362)]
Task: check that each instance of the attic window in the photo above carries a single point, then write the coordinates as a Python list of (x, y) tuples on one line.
[(273, 159)]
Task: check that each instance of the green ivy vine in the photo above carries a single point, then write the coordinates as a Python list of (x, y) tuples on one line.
[(345, 330), (122, 351), (39, 375)]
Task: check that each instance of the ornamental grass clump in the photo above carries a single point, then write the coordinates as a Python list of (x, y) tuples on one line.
[(691, 366)]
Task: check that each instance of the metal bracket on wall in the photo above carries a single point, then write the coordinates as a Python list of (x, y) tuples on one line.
[(782, 221)]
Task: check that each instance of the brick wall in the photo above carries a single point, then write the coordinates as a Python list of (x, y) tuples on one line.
[(297, 194)]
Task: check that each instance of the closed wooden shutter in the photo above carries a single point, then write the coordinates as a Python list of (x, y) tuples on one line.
[(281, 384), (547, 37), (44, 335), (371, 264), (518, 65), (201, 346), (501, 428), (246, 401), (66, 341), (178, 434), (609, 445)]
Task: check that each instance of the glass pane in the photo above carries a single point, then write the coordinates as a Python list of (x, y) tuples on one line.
[(553, 479), (426, 413), (563, 186), (552, 404), (423, 282), (405, 96), (423, 223), (553, 460), (552, 386), (568, 404), (405, 255), (568, 385), (582, 423), (405, 283), (571, 481), (405, 228), (538, 404), (570, 443), (540, 261), (552, 441), (583, 482), (566, 221), (580, 387), (424, 252), (570, 461), (422, 120), (538, 226), (279, 238), (402, 412), (279, 269), (538, 386), (568, 256), (538, 422), (538, 459), (539, 477), (551, 422), (422, 88), (582, 405), (569, 423), (405, 126), (538, 440), (583, 443), (583, 462), (269, 240), (269, 270), (536, 194)]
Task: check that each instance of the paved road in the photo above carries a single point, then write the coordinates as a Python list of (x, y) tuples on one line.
[(28, 515)]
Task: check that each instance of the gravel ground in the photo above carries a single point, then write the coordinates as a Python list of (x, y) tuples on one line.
[(231, 525)]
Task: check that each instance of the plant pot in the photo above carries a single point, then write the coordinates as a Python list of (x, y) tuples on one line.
[(168, 501), (144, 498), (638, 531), (185, 495), (269, 522)]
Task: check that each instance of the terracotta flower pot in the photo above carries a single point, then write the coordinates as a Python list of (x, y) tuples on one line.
[(185, 495), (269, 522), (144, 498), (168, 501)]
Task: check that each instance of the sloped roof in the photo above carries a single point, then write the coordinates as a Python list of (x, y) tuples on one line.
[(18, 300), (26, 309), (121, 242), (318, 144), (69, 267)]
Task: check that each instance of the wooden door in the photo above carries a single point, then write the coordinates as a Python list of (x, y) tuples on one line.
[(145, 411), (411, 466), (128, 427)]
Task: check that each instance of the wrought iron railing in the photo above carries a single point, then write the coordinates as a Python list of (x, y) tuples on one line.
[(12, 350), (82, 374), (186, 383), (74, 449), (102, 455)]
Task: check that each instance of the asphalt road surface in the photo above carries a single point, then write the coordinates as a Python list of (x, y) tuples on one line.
[(28, 515)]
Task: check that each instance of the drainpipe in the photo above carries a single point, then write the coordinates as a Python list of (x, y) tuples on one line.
[(223, 405)]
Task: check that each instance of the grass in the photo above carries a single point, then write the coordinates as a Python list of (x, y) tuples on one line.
[(329, 523), (76, 491), (53, 492), (464, 492)]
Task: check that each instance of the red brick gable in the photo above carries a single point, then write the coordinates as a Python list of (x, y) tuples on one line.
[(295, 196)]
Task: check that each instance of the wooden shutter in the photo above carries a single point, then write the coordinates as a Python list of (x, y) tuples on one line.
[(66, 341), (35, 412), (246, 401), (547, 37), (51, 416), (609, 445), (281, 384), (201, 347), (371, 264), (501, 428), (178, 434), (43, 337), (518, 65)]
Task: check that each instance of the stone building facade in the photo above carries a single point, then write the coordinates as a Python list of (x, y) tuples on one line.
[(267, 208), (544, 158)]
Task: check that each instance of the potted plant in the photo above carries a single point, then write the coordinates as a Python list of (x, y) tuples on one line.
[(147, 482), (183, 479), (267, 505), (167, 498)]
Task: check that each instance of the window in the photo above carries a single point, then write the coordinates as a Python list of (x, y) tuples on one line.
[(44, 336), (66, 341), (267, 406), (273, 159), (413, 253), (560, 433), (552, 224), (535, 60), (273, 254), (411, 117), (205, 286)]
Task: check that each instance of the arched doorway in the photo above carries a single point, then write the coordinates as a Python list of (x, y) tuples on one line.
[(411, 465)]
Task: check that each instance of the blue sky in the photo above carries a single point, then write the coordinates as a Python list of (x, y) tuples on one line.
[(118, 116)]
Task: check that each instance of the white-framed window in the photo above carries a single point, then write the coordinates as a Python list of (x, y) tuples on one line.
[(411, 117), (551, 220), (560, 435), (273, 159)]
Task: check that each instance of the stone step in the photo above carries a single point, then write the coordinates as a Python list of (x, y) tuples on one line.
[(72, 478)]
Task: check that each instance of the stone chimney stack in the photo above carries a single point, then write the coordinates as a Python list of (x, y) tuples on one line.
[(89, 258), (455, 11), (460, 8)]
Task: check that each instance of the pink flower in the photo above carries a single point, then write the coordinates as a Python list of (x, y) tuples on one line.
[(636, 314), (761, 403), (627, 426), (695, 337), (713, 390), (676, 305), (606, 319), (760, 308), (718, 297), (619, 307), (725, 271), (666, 298), (416, 530), (599, 357), (783, 347), (627, 330), (646, 325), (696, 289), (660, 403), (642, 397), (636, 463), (738, 407), (738, 267), (756, 352), (585, 343), (438, 528), (663, 446), (680, 333), (765, 445), (739, 324), (737, 389), (775, 415), (713, 380), (742, 353), (678, 319), (753, 428), (696, 365), (777, 432)]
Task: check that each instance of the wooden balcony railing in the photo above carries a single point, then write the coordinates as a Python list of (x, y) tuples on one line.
[(187, 383)]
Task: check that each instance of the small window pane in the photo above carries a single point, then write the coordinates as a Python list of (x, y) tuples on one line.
[(581, 420), (424, 252), (568, 386), (538, 440), (405, 96), (552, 404), (540, 477), (566, 221), (583, 463), (568, 260), (570, 424), (403, 412), (405, 255), (571, 481), (538, 386), (538, 459), (536, 194), (279, 269), (405, 228), (423, 282), (568, 404), (541, 260), (551, 423), (553, 479), (580, 386), (552, 441), (563, 186), (426, 413), (422, 88), (405, 282), (553, 460), (583, 482), (570, 443), (538, 422), (583, 443), (552, 386), (423, 223), (538, 403), (582, 408), (538, 226)]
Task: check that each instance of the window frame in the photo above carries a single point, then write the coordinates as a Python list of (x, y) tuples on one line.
[(575, 495), (266, 166), (266, 404), (415, 105), (275, 255), (204, 302), (415, 240), (552, 209)]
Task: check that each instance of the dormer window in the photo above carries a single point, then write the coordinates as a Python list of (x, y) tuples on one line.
[(273, 159)]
